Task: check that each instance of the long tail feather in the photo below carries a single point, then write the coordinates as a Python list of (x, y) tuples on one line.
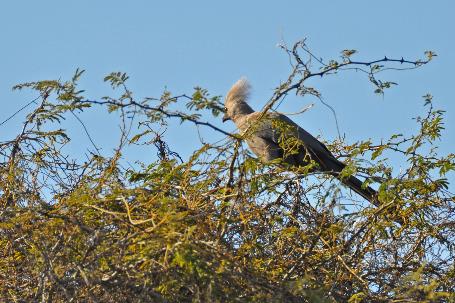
[(335, 166), (356, 185)]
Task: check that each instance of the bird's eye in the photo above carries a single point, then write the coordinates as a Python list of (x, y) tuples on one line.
[(225, 109)]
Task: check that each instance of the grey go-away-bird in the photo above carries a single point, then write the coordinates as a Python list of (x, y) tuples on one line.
[(267, 134)]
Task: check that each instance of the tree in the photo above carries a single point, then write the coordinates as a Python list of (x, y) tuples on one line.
[(220, 226)]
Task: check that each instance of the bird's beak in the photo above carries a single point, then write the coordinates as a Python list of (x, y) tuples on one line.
[(226, 117)]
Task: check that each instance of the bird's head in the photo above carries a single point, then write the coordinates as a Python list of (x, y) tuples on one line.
[(226, 115), (235, 103)]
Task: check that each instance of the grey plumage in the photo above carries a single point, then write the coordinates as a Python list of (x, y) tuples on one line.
[(269, 136)]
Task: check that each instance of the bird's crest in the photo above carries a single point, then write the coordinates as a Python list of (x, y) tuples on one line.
[(239, 92)]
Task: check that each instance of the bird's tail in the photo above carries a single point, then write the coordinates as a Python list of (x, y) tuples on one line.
[(366, 192), (336, 166)]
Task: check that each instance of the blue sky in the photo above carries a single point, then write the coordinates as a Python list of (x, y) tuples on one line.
[(181, 44)]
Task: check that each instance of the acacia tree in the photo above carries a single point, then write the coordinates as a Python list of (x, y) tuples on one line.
[(220, 226)]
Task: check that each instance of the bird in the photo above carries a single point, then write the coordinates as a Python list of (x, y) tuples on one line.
[(273, 136)]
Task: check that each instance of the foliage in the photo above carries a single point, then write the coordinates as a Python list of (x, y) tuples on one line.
[(220, 226)]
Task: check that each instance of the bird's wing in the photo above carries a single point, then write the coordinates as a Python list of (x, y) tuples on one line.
[(308, 140), (261, 126), (269, 128)]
